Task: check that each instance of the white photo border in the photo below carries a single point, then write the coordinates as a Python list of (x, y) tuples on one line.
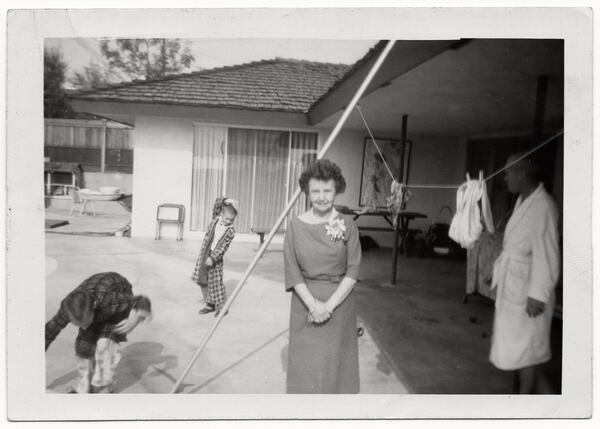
[(27, 29)]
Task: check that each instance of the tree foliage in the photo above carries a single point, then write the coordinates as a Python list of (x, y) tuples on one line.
[(92, 76), (145, 59), (55, 98)]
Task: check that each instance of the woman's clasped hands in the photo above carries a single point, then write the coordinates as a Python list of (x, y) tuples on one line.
[(318, 313)]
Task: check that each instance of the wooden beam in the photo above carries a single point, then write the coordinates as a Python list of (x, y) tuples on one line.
[(401, 172), (397, 227), (85, 123)]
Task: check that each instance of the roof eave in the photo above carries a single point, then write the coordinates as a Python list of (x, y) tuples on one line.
[(404, 56), (112, 108), (200, 105)]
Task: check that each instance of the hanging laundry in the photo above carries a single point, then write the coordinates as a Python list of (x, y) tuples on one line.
[(466, 226), (398, 198)]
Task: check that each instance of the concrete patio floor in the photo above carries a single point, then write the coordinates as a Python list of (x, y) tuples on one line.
[(420, 337), (247, 354)]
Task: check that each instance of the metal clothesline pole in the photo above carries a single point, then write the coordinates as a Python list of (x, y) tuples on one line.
[(283, 215)]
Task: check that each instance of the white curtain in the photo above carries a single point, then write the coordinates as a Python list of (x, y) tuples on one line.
[(261, 166), (207, 173), (241, 153), (270, 190)]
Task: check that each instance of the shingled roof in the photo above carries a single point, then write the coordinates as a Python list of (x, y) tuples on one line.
[(280, 84)]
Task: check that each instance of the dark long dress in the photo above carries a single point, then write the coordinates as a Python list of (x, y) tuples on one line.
[(321, 358)]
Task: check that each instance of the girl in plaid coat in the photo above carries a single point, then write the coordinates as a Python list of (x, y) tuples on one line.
[(105, 310), (208, 271)]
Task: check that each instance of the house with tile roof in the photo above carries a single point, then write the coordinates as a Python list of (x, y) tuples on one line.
[(438, 108)]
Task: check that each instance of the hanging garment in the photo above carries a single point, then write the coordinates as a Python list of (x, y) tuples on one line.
[(398, 198), (528, 267), (466, 226), (480, 263)]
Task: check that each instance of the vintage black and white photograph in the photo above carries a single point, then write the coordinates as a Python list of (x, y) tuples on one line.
[(237, 215)]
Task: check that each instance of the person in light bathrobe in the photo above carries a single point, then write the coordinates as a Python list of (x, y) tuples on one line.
[(525, 275)]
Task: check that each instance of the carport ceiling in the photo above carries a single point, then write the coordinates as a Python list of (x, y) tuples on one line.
[(484, 86)]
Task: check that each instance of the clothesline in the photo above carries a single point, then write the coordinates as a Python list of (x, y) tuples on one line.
[(438, 186), (494, 174), (525, 155)]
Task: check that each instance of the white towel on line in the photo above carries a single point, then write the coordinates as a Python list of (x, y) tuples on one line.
[(466, 225)]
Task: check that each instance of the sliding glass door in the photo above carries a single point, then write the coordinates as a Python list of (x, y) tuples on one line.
[(259, 168), (241, 155), (270, 180)]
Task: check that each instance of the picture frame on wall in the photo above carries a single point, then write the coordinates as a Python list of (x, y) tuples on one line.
[(376, 180)]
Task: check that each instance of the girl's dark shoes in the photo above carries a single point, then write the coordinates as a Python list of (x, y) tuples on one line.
[(207, 309)]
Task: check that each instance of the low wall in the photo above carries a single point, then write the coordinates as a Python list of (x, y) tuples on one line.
[(101, 207)]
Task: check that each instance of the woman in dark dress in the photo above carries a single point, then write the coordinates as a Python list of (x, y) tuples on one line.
[(322, 258)]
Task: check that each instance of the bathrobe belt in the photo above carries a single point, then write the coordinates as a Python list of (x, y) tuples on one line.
[(501, 265)]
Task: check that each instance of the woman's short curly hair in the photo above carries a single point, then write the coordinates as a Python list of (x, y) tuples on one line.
[(323, 170)]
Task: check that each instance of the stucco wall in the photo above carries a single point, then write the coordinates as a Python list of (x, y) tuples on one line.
[(347, 152), (163, 157), (434, 160), (162, 165), (163, 151)]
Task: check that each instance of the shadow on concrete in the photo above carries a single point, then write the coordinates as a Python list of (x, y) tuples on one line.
[(137, 359), (236, 363), (383, 364), (63, 379)]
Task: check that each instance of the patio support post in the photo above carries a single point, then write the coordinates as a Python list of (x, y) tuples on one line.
[(395, 249), (540, 109), (547, 155), (397, 220), (290, 204)]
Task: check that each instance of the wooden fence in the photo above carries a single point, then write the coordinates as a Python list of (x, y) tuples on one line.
[(96, 145)]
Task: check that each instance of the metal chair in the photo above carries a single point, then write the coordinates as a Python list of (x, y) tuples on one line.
[(78, 199), (74, 193), (170, 213), (75, 198)]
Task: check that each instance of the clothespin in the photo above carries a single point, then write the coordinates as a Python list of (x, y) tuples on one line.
[(468, 177), (480, 176)]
